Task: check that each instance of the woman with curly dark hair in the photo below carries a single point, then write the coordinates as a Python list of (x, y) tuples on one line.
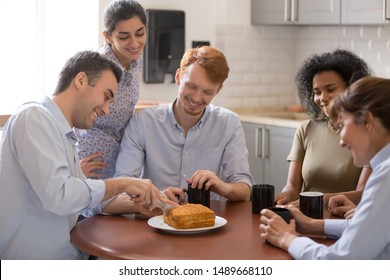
[(317, 162)]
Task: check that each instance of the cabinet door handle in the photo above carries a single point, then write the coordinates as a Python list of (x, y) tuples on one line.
[(294, 10), (386, 10), (287, 10), (258, 150), (265, 143)]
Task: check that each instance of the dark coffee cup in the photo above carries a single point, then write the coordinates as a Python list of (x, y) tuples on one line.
[(198, 196), (262, 197), (311, 204), (282, 212)]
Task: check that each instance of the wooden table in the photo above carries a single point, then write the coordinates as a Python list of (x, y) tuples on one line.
[(129, 237)]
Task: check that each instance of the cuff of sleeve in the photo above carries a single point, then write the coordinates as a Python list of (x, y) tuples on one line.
[(333, 228), (97, 189), (103, 204), (298, 245)]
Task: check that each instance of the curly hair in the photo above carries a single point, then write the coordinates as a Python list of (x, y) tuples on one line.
[(348, 65)]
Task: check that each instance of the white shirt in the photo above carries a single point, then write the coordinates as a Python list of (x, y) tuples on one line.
[(156, 147), (42, 188)]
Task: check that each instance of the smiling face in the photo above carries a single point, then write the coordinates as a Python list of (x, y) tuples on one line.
[(354, 136), (326, 86), (127, 40), (95, 100), (195, 90)]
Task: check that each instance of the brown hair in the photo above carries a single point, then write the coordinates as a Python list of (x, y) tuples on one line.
[(90, 62), (370, 94), (210, 59), (121, 10)]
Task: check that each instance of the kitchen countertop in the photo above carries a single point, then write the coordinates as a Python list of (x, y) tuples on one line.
[(275, 121), (277, 116), (143, 104)]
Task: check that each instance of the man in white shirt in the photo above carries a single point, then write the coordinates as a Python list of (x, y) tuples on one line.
[(42, 188), (190, 140)]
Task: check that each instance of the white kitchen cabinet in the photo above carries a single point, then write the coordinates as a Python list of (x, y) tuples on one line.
[(268, 147), (299, 12), (365, 11)]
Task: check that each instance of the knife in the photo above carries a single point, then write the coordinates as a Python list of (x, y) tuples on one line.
[(162, 205), (165, 206)]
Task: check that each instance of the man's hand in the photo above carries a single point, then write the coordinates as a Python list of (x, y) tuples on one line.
[(175, 194)]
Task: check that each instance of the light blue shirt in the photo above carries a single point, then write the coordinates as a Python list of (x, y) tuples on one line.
[(42, 188), (367, 234), (154, 146)]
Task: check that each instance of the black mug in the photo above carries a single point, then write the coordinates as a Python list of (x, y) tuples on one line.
[(262, 197), (282, 212), (198, 196), (311, 204)]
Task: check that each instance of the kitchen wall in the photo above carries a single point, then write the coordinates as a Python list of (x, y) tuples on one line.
[(264, 59), (202, 17)]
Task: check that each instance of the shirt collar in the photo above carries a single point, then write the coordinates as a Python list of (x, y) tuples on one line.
[(199, 124), (381, 156)]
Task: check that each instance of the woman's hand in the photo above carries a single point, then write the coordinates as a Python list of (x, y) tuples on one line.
[(340, 205), (294, 203), (349, 214), (305, 224), (275, 230), (92, 163), (282, 198)]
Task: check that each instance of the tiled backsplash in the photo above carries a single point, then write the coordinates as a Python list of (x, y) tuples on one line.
[(264, 59)]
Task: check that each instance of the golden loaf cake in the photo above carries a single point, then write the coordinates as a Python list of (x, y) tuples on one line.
[(190, 216)]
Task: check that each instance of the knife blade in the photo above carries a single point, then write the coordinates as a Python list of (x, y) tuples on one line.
[(165, 206)]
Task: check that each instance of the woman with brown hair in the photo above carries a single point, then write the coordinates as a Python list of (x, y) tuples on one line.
[(125, 37)]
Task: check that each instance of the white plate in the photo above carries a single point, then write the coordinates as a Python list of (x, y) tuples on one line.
[(158, 223)]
